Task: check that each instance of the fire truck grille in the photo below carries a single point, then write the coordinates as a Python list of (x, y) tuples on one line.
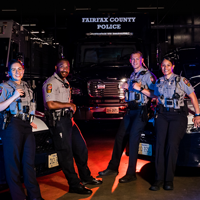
[(104, 89)]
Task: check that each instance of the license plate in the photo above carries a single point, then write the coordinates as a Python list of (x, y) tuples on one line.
[(145, 149), (101, 86), (112, 110), (53, 160)]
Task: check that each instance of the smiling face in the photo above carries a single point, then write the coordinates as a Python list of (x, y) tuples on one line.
[(167, 68), (136, 61), (62, 69), (16, 72)]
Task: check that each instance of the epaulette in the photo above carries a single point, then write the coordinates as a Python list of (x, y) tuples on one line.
[(178, 79), (143, 72), (158, 81)]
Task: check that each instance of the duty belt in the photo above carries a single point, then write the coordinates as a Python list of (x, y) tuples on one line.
[(161, 108), (65, 112), (23, 116)]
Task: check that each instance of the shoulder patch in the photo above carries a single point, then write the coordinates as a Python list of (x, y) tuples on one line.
[(1, 90), (49, 88), (153, 80), (186, 82)]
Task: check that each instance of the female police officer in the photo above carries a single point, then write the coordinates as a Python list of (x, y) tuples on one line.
[(171, 122), (16, 102)]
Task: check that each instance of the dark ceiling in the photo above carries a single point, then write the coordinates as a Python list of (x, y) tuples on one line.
[(45, 14), (50, 17)]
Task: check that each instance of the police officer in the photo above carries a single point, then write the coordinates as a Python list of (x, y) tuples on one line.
[(140, 85), (170, 122), (67, 137), (18, 106)]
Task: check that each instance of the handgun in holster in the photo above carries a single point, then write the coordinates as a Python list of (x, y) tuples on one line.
[(70, 113), (6, 120), (49, 119), (57, 115), (53, 119)]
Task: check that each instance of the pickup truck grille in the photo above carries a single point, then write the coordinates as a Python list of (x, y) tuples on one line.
[(99, 88)]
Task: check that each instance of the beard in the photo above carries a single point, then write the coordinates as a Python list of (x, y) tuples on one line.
[(62, 75)]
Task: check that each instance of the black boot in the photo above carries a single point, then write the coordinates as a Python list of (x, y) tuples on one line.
[(156, 185), (79, 189), (128, 178), (168, 185), (108, 172)]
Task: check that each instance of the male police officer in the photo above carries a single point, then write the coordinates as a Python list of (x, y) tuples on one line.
[(67, 137), (140, 85)]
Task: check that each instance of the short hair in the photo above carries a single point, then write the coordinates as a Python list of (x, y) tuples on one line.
[(13, 61), (134, 52), (171, 59), (61, 60)]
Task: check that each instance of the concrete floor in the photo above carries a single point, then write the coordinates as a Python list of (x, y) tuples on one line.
[(100, 140)]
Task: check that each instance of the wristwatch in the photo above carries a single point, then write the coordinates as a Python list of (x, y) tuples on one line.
[(196, 115), (142, 88)]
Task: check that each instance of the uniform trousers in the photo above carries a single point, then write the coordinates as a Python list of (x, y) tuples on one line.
[(130, 129), (70, 145), (19, 153), (170, 128)]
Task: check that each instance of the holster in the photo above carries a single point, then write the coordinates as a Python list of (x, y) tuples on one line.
[(51, 122), (53, 116), (6, 119)]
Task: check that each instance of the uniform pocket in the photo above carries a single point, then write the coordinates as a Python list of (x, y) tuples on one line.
[(160, 89)]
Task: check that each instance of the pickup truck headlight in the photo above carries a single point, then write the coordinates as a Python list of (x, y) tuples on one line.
[(123, 80)]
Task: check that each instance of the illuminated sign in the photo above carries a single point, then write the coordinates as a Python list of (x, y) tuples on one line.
[(110, 21), (135, 25)]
